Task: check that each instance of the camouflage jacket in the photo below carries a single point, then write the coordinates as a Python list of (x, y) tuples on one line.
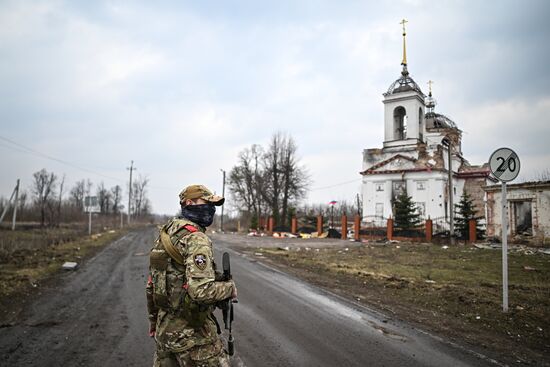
[(184, 319)]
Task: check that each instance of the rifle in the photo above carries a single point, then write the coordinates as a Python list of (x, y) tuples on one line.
[(227, 310)]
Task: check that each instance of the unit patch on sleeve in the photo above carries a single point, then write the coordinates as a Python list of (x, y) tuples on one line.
[(201, 261)]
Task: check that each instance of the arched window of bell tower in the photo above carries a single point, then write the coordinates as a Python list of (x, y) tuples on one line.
[(400, 123)]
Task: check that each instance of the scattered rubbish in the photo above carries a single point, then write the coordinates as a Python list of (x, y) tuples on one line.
[(429, 281), (112, 231), (493, 246), (520, 308), (305, 235), (545, 251), (258, 254), (286, 248), (332, 233), (478, 317), (529, 268), (69, 265), (539, 328), (140, 254), (317, 249), (346, 249), (307, 249), (397, 246), (445, 247)]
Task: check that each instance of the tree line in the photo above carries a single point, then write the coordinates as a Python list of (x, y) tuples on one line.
[(48, 201), (269, 181)]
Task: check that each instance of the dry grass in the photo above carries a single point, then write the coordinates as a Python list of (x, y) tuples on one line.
[(455, 291)]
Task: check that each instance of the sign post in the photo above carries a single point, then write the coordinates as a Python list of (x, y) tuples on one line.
[(91, 205), (504, 164)]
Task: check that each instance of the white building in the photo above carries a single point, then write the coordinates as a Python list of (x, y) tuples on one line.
[(414, 157)]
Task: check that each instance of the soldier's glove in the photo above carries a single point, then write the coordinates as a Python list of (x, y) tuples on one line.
[(152, 330), (219, 277)]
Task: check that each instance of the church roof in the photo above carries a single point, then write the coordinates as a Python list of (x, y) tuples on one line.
[(438, 120), (404, 84)]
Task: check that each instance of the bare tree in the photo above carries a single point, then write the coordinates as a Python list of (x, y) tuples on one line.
[(139, 195), (60, 199), (269, 180), (285, 181), (116, 193), (103, 198), (43, 186), (77, 194), (245, 182)]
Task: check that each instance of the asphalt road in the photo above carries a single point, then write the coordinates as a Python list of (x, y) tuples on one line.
[(96, 316)]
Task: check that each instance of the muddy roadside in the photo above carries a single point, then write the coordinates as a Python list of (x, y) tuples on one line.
[(31, 260), (453, 292)]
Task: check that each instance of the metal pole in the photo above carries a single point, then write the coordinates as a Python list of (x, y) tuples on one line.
[(451, 192), (15, 206), (504, 249), (223, 194), (89, 223), (121, 220)]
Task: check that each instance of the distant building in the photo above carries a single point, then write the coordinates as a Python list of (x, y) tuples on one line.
[(414, 154), (528, 210)]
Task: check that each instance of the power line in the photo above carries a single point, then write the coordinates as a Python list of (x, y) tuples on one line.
[(28, 150), (335, 185)]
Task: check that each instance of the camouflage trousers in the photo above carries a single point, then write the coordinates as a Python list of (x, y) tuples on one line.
[(209, 355)]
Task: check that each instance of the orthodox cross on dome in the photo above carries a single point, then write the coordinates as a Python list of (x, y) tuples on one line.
[(430, 82), (404, 62)]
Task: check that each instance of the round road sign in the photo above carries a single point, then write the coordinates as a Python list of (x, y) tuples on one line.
[(504, 164)]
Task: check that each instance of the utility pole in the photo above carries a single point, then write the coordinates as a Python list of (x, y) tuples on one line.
[(131, 169), (15, 206), (358, 205), (447, 143), (223, 195), (16, 194)]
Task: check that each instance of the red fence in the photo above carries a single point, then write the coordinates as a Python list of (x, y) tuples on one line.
[(379, 228)]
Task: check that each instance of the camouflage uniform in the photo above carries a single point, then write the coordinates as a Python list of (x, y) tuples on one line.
[(181, 293)]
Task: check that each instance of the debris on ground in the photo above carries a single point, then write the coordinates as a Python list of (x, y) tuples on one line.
[(69, 265)]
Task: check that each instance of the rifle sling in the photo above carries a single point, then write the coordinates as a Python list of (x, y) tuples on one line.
[(170, 248)]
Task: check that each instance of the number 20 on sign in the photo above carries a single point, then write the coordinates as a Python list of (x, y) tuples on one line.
[(504, 164)]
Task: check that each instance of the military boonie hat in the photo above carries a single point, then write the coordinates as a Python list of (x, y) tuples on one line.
[(193, 192)]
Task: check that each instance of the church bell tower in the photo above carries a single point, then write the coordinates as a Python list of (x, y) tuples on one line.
[(404, 108)]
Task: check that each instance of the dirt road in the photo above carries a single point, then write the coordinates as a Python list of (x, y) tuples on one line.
[(96, 316)]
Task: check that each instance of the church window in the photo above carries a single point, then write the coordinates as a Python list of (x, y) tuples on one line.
[(379, 186), (421, 185), (421, 209), (400, 123)]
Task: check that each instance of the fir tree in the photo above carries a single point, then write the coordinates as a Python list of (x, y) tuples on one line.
[(464, 211), (406, 214)]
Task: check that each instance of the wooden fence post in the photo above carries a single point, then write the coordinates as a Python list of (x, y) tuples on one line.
[(344, 227), (319, 225), (389, 229)]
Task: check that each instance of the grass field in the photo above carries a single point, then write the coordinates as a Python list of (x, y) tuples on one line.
[(29, 256), (455, 291)]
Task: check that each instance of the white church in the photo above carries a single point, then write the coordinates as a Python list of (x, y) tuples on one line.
[(414, 157)]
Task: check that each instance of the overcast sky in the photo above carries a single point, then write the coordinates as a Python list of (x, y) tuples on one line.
[(181, 87)]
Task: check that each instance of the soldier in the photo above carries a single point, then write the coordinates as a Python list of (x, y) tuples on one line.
[(183, 286)]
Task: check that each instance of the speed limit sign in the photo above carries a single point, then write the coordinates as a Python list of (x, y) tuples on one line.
[(504, 164)]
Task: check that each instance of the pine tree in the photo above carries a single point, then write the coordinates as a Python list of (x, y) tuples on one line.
[(406, 214), (466, 210)]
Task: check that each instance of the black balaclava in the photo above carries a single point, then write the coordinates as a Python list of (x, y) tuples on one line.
[(202, 214)]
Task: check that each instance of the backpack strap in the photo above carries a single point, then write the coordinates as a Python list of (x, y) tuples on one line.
[(170, 248)]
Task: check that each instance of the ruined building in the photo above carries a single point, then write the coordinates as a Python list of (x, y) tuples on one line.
[(414, 156)]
